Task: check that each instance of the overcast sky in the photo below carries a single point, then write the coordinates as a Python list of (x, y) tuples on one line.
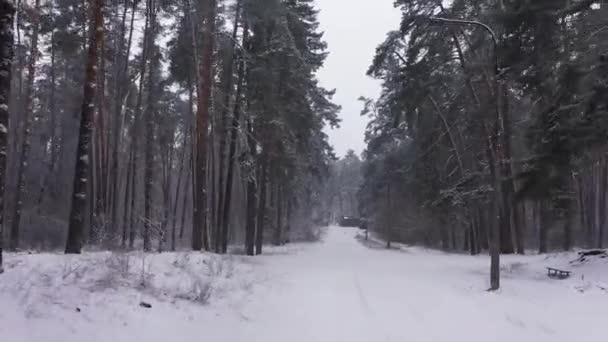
[(353, 29)]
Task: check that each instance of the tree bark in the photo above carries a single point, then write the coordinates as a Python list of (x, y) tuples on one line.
[(79, 198), (27, 127), (150, 116), (603, 193), (223, 132), (100, 161), (185, 196), (120, 80), (52, 129), (7, 16), (199, 226), (568, 226), (236, 121), (581, 200), (278, 233), (136, 130), (261, 212), (250, 233), (543, 227), (509, 217), (188, 145), (495, 219), (126, 229), (178, 186)]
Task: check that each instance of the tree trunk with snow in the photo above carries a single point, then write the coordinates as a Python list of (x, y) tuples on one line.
[(187, 191), (27, 128), (150, 116), (121, 78), (7, 15), (199, 224), (261, 212), (234, 131), (603, 193), (278, 233), (178, 186), (126, 229), (224, 130), (250, 230), (81, 168)]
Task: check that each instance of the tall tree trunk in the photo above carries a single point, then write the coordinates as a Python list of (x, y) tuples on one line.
[(261, 212), (7, 15), (236, 121), (495, 218), (603, 193), (126, 229), (288, 221), (121, 77), (167, 168), (178, 186), (79, 198), (136, 130), (278, 233), (543, 227), (250, 230), (27, 127), (212, 192), (581, 200), (52, 129), (444, 230), (188, 145), (569, 217), (508, 186), (223, 133), (100, 131), (591, 202), (199, 225), (150, 116), (472, 236), (185, 196)]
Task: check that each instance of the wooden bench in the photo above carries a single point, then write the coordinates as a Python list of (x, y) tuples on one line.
[(559, 274)]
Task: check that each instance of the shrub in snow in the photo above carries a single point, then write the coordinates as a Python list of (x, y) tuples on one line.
[(199, 291)]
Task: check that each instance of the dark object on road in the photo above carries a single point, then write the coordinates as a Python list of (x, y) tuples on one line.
[(585, 255), (597, 252), (145, 305), (363, 223), (347, 221), (558, 274)]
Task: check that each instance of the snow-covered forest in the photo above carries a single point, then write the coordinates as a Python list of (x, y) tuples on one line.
[(156, 125), (490, 132), (166, 173)]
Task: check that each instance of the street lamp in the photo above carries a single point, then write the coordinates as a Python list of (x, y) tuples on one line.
[(440, 21), (494, 154)]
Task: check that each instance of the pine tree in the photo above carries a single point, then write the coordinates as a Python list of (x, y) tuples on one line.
[(7, 8), (199, 231), (82, 163), (27, 120)]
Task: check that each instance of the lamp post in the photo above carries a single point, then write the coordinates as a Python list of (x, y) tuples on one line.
[(494, 149)]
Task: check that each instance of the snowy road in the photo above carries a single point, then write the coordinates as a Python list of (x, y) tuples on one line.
[(340, 290)]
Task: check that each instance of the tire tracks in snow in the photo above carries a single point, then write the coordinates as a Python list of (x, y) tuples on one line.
[(362, 298)]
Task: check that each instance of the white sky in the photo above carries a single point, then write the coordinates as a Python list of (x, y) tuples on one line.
[(353, 29)]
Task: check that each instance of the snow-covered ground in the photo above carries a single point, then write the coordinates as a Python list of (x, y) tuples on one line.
[(336, 290)]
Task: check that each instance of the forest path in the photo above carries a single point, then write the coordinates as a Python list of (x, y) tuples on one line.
[(341, 290), (336, 290)]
